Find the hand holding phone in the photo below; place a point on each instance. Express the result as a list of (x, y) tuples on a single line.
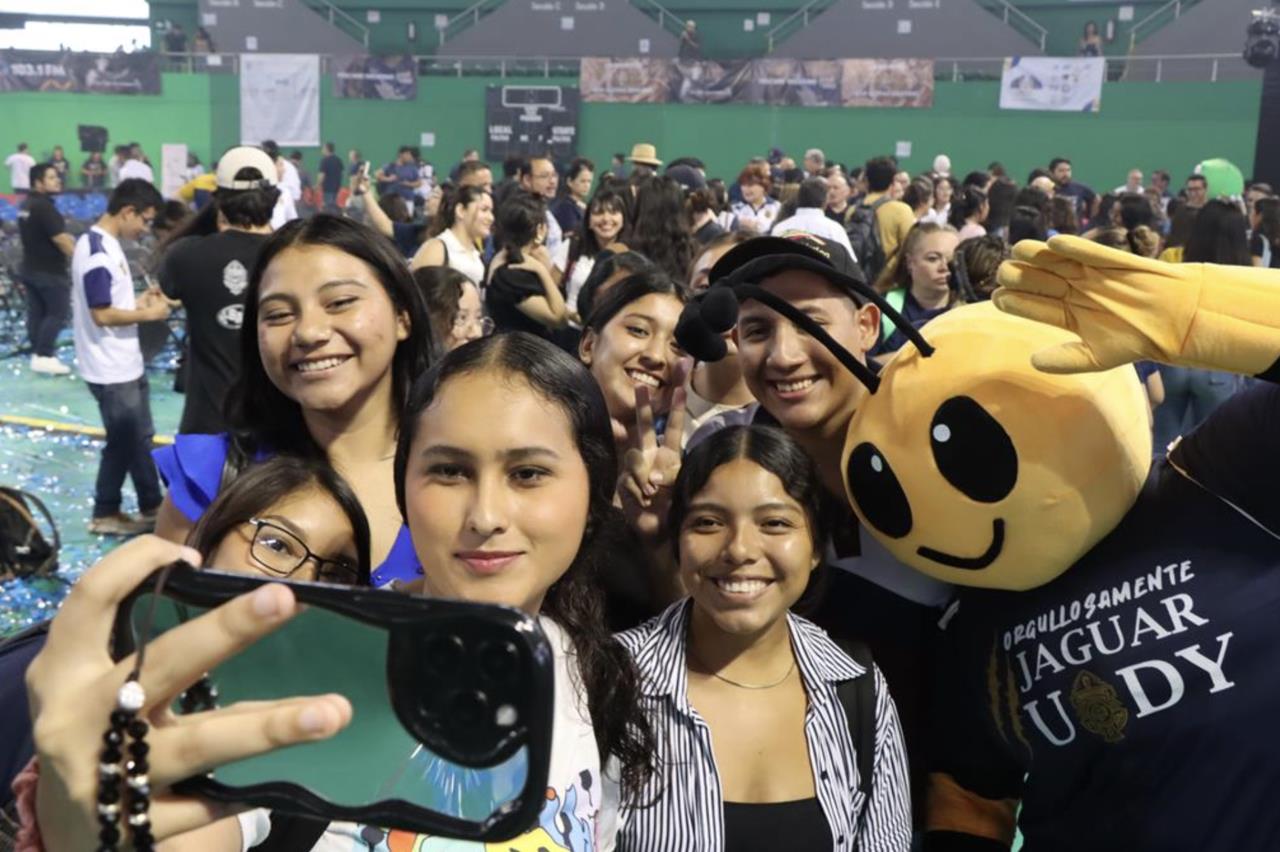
[(73, 683)]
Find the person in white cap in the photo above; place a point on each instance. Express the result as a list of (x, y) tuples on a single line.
[(942, 165), (209, 274)]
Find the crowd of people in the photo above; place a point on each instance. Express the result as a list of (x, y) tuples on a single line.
[(478, 386)]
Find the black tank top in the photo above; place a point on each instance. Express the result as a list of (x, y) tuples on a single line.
[(798, 826)]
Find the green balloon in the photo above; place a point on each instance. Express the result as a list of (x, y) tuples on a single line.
[(1223, 177)]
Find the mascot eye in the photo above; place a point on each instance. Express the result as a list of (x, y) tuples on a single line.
[(973, 451), (877, 492)]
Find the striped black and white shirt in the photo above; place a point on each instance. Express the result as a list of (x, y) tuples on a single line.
[(688, 815)]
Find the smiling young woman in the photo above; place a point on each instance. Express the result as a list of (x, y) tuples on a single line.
[(630, 342), (334, 332), (753, 738)]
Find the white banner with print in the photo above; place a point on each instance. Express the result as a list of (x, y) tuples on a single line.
[(1065, 84), (279, 98)]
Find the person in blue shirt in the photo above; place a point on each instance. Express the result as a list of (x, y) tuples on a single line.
[(402, 176), (334, 334)]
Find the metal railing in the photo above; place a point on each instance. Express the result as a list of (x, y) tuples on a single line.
[(468, 17), (1205, 67), (1018, 19), (668, 20), (340, 19), (796, 21), (1170, 11)]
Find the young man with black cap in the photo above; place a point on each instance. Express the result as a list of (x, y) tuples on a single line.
[(803, 387), (209, 275)]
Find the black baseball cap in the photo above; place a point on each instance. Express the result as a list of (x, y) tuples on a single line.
[(761, 257)]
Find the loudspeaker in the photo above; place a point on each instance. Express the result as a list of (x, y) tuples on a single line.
[(1266, 157), (92, 138)]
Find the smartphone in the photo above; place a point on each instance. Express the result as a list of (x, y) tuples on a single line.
[(364, 169), (453, 701)]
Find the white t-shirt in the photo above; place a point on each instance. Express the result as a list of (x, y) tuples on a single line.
[(137, 169), (100, 278), (290, 181), (466, 260), (284, 212), (812, 220), (20, 169), (580, 813), (577, 276)]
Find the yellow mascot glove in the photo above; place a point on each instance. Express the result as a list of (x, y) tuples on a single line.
[(1128, 308)]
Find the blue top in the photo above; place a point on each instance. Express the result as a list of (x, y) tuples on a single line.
[(192, 471)]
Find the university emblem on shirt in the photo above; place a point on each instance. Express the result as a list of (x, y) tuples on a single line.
[(235, 278), (1098, 707), (231, 317)]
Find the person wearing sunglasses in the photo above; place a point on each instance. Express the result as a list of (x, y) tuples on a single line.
[(105, 317)]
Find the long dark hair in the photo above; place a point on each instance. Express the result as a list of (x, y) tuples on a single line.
[(516, 223), (268, 482), (584, 242), (966, 203), (1218, 236), (628, 290), (773, 450), (661, 228), (441, 288), (575, 601), (451, 199), (605, 266), (262, 417)]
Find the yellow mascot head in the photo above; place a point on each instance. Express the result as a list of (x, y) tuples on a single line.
[(973, 467)]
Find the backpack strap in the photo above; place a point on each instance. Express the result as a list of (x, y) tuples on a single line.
[(897, 297), (17, 500), (858, 696)]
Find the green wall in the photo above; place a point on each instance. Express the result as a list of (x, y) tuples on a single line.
[(45, 119), (1148, 125)]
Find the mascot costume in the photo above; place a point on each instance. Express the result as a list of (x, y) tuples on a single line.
[(1108, 664)]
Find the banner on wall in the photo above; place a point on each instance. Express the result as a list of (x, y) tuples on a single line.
[(97, 73), (527, 120), (381, 78), (782, 82), (279, 98), (1064, 84)]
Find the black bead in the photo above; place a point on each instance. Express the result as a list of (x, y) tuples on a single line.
[(112, 754), (139, 804), (113, 737), (106, 820), (110, 835), (119, 718), (108, 794), (137, 767), (141, 791), (138, 729), (139, 748)]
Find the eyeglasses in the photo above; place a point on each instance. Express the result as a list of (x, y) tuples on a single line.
[(463, 321), (282, 553)]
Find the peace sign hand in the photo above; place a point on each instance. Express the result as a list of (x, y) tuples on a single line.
[(650, 468)]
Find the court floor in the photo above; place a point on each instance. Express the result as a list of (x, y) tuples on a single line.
[(49, 447)]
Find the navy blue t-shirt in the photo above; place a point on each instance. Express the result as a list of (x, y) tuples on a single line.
[(914, 313), (1138, 693)]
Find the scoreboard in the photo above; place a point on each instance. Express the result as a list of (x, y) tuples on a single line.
[(526, 120)]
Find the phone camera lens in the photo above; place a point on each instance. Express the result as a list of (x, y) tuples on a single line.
[(444, 655), (500, 661), (469, 708)]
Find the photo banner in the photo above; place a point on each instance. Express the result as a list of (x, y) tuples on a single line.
[(96, 73), (280, 98), (781, 82), (1062, 84), (379, 78)]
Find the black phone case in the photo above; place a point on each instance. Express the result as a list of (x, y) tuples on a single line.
[(471, 648)]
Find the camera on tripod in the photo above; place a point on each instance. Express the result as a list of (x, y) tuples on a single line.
[(1262, 38)]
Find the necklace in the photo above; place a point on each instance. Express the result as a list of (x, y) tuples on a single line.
[(739, 684)]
